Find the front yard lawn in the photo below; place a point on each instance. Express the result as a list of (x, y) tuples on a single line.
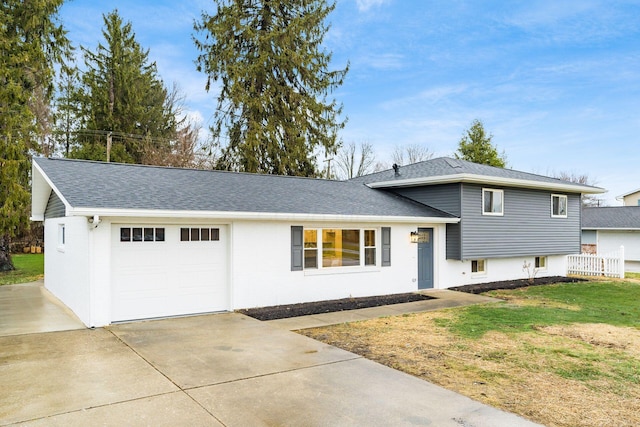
[(29, 268), (560, 355)]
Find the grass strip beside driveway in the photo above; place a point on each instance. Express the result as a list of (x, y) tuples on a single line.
[(29, 268), (560, 355)]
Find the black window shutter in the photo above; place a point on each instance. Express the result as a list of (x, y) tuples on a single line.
[(296, 248), (386, 246)]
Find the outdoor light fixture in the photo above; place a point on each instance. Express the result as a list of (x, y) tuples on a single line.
[(415, 237)]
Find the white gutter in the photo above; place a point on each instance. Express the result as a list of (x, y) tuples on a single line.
[(488, 180), (611, 229), (264, 216)]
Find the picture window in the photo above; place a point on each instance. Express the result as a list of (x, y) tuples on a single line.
[(329, 248)]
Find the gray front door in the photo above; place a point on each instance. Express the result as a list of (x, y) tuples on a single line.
[(425, 258)]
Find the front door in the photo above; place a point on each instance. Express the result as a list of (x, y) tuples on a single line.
[(425, 258)]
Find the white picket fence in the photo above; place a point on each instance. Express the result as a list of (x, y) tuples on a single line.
[(609, 265)]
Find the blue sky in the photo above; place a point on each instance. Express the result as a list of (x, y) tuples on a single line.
[(557, 83)]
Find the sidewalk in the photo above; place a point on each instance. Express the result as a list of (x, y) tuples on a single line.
[(443, 299)]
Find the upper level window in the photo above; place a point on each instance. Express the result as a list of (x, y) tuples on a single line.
[(492, 202), (558, 206)]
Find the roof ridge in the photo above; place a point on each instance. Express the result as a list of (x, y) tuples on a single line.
[(176, 168)]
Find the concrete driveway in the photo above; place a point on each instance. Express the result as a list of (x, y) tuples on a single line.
[(222, 369)]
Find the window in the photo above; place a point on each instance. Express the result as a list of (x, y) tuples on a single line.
[(311, 248), (138, 234), (369, 247), (478, 266), (558, 206), (61, 236), (333, 247), (541, 262), (492, 202), (193, 234), (125, 234)]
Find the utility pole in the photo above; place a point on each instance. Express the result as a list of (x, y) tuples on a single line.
[(328, 161), (108, 147)]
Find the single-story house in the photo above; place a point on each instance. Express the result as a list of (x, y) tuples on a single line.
[(605, 229), (126, 242)]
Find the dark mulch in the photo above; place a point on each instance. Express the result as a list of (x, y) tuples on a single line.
[(305, 309), (514, 284)]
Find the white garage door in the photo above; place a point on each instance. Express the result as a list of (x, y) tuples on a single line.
[(168, 270)]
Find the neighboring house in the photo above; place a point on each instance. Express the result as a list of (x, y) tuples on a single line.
[(631, 198), (605, 229), (125, 242)]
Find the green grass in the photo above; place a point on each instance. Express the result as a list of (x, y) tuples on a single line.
[(29, 268), (614, 303), (632, 275)]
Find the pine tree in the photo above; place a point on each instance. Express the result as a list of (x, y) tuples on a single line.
[(121, 97), (31, 41), (272, 109), (475, 146)]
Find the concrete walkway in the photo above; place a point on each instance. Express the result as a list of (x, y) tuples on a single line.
[(29, 308), (214, 370)]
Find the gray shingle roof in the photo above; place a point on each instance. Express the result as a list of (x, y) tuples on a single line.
[(617, 217), (87, 184), (445, 166)]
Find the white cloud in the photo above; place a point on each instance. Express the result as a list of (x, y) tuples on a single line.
[(384, 61), (365, 5)]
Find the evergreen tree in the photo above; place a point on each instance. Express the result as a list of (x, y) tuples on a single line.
[(475, 146), (31, 41), (121, 97), (272, 107)]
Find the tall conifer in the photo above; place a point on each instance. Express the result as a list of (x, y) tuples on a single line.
[(273, 109)]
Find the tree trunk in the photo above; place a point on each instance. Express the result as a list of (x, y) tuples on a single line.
[(5, 257)]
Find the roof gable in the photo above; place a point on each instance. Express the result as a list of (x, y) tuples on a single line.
[(112, 186)]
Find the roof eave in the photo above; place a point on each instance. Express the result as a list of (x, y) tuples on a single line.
[(488, 180), (262, 216)]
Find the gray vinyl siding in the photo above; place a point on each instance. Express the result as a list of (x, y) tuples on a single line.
[(444, 197), (55, 208), (525, 229), (454, 241)]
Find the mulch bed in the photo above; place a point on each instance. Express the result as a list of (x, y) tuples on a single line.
[(329, 306), (305, 309), (514, 284)]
